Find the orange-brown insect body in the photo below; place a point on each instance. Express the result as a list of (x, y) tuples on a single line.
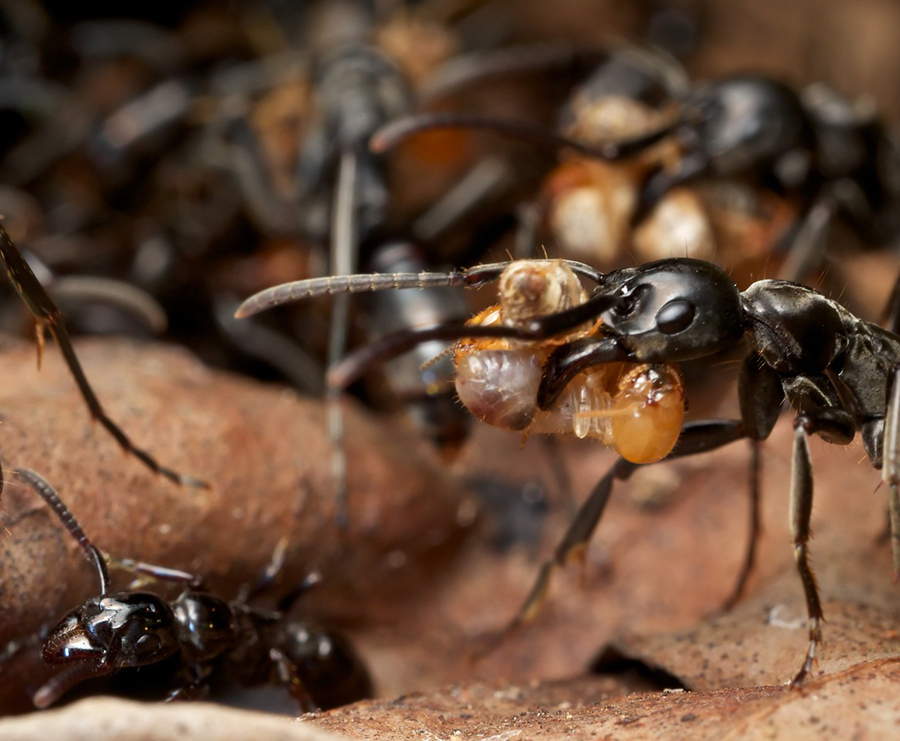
[(636, 408)]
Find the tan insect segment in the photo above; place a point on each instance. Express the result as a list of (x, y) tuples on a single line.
[(635, 408)]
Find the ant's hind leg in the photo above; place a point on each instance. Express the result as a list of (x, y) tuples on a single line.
[(838, 427), (890, 470)]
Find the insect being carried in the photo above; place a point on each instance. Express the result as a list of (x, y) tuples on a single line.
[(200, 631), (49, 317), (498, 377), (838, 373)]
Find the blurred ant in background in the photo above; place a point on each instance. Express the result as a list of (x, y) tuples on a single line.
[(768, 167)]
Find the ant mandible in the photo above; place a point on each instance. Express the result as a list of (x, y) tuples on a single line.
[(128, 629), (839, 374)]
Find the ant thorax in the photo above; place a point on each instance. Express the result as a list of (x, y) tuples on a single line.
[(636, 408)]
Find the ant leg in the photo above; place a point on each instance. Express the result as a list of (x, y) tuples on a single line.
[(161, 573), (760, 395), (529, 217), (48, 316), (288, 674), (801, 509), (890, 470), (837, 425), (892, 310), (344, 246), (486, 180), (267, 576), (696, 437), (754, 532), (560, 470), (194, 686), (806, 251), (661, 182)]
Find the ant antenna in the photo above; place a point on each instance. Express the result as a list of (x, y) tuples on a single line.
[(394, 133), (52, 498), (300, 290)]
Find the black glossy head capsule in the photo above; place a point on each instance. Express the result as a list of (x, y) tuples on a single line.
[(123, 630), (672, 310)]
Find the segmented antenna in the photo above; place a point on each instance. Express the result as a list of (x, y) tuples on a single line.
[(300, 290), (52, 498)]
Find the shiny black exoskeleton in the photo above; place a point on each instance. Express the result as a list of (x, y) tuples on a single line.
[(839, 374), (205, 633), (200, 631), (836, 156)]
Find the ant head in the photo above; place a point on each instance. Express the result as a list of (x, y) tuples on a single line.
[(123, 630), (672, 310), (744, 123)]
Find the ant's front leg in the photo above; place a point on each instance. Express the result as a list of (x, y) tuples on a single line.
[(194, 684), (806, 251), (696, 437), (157, 572)]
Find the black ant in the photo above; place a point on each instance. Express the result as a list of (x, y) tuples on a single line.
[(839, 374), (119, 630), (497, 379), (833, 156), (49, 317)]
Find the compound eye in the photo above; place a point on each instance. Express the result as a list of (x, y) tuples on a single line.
[(675, 316), (147, 646)]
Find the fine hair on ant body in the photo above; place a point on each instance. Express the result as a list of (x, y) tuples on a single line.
[(839, 374), (202, 632)]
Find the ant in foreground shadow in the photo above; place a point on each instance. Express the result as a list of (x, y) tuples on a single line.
[(838, 373), (200, 631)]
